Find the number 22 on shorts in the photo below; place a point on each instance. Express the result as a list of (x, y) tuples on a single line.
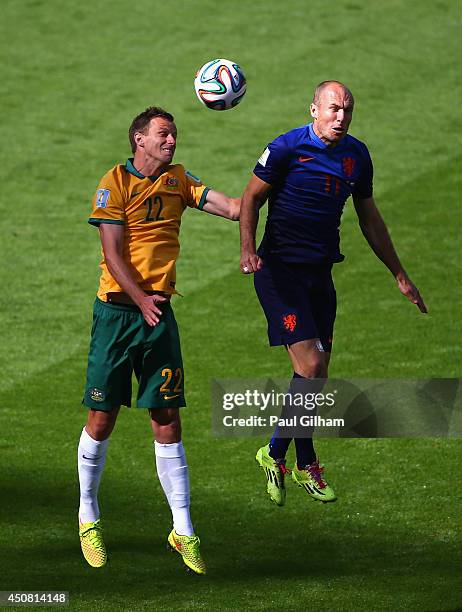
[(171, 378)]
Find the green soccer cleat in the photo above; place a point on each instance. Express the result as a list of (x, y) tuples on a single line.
[(91, 541), (312, 480), (188, 547), (275, 472)]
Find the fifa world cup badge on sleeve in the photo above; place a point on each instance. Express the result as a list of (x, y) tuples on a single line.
[(102, 197), (264, 157)]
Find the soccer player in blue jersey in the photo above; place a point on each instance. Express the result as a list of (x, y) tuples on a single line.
[(307, 175)]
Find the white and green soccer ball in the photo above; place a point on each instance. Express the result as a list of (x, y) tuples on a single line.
[(220, 84)]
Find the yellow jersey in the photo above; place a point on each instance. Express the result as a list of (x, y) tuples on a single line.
[(150, 209)]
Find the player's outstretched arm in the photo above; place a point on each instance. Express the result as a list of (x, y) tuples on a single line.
[(217, 203), (376, 233), (254, 197), (112, 240)]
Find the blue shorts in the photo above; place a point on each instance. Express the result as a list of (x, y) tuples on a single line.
[(299, 301)]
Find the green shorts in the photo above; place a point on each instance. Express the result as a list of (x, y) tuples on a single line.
[(122, 343)]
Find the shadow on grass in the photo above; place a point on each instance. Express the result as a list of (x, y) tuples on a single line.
[(245, 545)]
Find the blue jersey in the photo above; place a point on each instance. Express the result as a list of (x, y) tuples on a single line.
[(310, 185)]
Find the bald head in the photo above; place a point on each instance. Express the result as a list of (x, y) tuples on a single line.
[(332, 111), (334, 85)]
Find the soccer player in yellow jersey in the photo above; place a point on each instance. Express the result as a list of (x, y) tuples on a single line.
[(137, 208)]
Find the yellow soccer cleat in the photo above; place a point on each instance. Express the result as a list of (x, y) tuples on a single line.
[(312, 480), (188, 547), (275, 472), (91, 541)]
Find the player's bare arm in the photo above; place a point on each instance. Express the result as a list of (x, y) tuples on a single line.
[(112, 240), (255, 195), (376, 233), (217, 203)]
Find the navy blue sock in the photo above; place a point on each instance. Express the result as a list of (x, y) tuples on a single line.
[(279, 446), (306, 455), (304, 447)]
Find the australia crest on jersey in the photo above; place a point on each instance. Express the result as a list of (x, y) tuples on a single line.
[(171, 182), (348, 164)]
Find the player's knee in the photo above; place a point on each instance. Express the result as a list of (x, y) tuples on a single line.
[(166, 425), (314, 368), (165, 417), (100, 424), (99, 432)]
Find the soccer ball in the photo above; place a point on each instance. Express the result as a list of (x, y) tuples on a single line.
[(220, 84)]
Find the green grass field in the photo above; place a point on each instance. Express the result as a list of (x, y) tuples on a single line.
[(73, 75)]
